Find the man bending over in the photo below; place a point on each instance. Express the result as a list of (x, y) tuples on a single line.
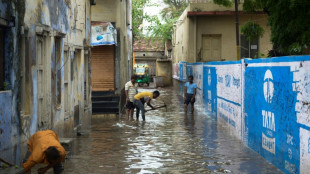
[(142, 97), (44, 147)]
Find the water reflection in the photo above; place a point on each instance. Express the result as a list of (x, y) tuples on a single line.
[(168, 142)]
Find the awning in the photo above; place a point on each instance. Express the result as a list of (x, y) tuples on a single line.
[(103, 33)]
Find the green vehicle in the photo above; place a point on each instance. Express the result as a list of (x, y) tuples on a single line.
[(142, 72)]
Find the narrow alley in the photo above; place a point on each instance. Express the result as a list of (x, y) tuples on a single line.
[(168, 142), (71, 72)]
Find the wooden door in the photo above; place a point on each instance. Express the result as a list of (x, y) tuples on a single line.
[(211, 47), (103, 68)]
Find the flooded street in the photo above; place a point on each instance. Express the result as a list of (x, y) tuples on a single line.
[(168, 142)]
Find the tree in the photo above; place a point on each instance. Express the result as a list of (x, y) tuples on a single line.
[(137, 16), (170, 14), (288, 20)]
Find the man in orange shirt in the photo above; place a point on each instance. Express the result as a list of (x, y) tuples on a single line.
[(44, 147)]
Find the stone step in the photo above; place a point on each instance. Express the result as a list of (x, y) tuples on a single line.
[(105, 110)]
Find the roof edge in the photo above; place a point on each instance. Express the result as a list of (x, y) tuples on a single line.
[(220, 13)]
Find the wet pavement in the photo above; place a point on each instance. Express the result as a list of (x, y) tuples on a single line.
[(168, 142)]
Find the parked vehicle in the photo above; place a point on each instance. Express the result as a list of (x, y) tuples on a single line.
[(142, 73)]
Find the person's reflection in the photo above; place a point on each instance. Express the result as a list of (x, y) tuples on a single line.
[(189, 123)]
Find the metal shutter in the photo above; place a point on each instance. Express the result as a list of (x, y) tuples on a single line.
[(103, 74)]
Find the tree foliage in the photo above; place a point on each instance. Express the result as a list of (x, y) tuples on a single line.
[(226, 3), (252, 30), (137, 16), (288, 20), (170, 14)]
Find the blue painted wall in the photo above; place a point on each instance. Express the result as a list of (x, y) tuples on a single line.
[(268, 100), (271, 116), (209, 90), (5, 120)]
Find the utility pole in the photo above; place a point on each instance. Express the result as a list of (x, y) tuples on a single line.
[(237, 29)]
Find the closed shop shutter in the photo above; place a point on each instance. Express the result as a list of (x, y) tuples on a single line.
[(103, 74)]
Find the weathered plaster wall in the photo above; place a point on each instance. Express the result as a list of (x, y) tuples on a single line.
[(149, 54), (11, 14), (180, 39), (163, 68), (106, 11), (264, 102), (225, 26), (68, 20), (188, 33), (46, 29)]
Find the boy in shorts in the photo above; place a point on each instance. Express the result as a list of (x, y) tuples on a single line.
[(189, 93)]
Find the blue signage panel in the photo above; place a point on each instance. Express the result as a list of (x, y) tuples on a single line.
[(209, 89), (270, 119), (189, 70)]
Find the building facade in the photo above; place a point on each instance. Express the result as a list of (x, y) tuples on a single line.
[(147, 51), (206, 32), (45, 71), (112, 58)]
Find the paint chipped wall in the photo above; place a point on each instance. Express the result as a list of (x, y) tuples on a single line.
[(11, 15), (49, 54)]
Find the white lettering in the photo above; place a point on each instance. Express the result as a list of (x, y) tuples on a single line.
[(290, 153), (289, 167), (289, 139), (268, 143), (268, 120)]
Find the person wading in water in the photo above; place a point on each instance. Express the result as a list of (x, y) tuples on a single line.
[(189, 93)]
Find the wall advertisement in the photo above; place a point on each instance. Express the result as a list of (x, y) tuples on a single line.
[(265, 102), (275, 97)]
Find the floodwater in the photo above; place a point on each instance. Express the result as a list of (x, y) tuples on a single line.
[(168, 142)]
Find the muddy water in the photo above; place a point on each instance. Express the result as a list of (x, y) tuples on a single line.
[(168, 142)]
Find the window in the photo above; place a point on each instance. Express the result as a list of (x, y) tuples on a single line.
[(66, 82), (249, 49), (25, 79), (58, 70), (2, 84), (86, 78), (211, 47), (41, 81)]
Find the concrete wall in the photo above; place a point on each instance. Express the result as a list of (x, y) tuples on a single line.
[(180, 40), (210, 6), (11, 19), (225, 25), (149, 54), (106, 11), (188, 32), (263, 102), (163, 68), (51, 52), (148, 57)]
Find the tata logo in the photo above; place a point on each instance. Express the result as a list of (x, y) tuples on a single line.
[(268, 86), (268, 117)]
